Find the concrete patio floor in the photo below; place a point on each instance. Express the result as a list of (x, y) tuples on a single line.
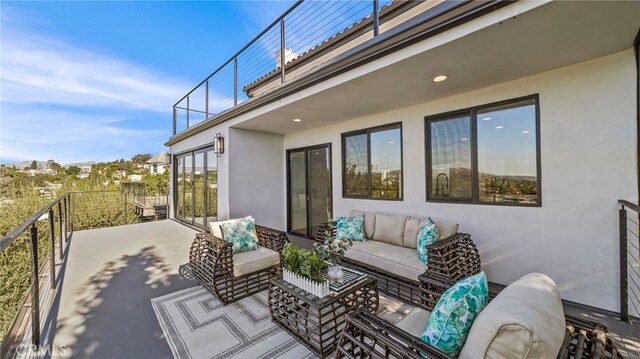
[(103, 308)]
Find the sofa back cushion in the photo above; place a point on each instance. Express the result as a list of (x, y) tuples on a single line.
[(411, 229), (525, 320), (369, 221), (446, 229), (389, 229)]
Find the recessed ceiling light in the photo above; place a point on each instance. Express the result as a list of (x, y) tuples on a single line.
[(391, 142), (297, 120), (440, 78), (499, 127), (527, 131), (463, 139), (487, 119)]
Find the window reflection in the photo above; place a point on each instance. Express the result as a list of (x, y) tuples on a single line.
[(451, 158)]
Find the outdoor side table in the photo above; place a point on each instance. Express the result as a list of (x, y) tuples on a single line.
[(317, 322)]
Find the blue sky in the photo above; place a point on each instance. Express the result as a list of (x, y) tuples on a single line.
[(96, 81)]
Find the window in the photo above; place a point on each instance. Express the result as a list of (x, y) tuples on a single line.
[(195, 186), (487, 154), (372, 163)]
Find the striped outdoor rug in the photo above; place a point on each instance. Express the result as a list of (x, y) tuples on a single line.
[(196, 325)]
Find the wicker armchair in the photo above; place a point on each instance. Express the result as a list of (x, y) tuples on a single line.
[(368, 336), (455, 257), (212, 265)]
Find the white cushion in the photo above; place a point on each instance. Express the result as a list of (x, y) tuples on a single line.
[(253, 261), (369, 221), (525, 320), (415, 322), (389, 229), (215, 226), (411, 229), (394, 259), (446, 229)]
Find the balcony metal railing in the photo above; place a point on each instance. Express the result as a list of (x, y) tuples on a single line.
[(629, 215), (304, 30), (48, 232)]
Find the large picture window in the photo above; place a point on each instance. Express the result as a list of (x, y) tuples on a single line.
[(488, 154), (372, 163)]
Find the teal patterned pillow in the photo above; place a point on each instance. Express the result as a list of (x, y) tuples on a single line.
[(351, 228), (427, 235), (241, 234), (453, 315)]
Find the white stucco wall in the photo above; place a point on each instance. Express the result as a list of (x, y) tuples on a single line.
[(588, 154), (257, 180)]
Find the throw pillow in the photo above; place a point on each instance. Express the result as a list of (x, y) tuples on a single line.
[(427, 235), (241, 234), (453, 315), (351, 228)]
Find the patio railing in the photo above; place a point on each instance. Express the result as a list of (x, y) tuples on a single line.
[(42, 241), (308, 34), (629, 261)]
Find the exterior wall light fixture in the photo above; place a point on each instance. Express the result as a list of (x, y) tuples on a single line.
[(218, 145)]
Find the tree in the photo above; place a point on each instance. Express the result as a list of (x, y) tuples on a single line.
[(141, 158), (54, 166), (34, 165), (72, 171)]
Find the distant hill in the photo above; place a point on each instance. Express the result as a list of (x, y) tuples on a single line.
[(45, 164)]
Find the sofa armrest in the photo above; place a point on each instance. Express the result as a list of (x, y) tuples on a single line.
[(209, 254), (455, 256), (271, 238), (323, 229), (432, 286), (368, 336), (587, 339)]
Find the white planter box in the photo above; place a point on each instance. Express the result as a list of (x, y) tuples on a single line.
[(319, 290)]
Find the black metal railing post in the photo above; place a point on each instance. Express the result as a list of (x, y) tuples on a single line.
[(60, 226), (66, 220), (235, 81), (206, 101), (71, 211), (376, 19), (188, 111), (174, 121), (52, 250), (282, 50), (35, 290), (624, 280)]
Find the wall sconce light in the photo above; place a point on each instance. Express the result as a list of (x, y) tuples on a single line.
[(218, 145)]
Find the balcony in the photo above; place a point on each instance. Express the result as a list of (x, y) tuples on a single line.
[(306, 37)]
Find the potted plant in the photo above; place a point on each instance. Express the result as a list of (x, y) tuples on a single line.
[(333, 250), (305, 269)]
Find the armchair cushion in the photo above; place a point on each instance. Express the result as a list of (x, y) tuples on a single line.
[(389, 229), (215, 229), (525, 320), (414, 322), (369, 221), (253, 261), (350, 228), (241, 234), (396, 260), (455, 312)]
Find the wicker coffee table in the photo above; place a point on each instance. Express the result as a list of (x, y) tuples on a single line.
[(317, 322)]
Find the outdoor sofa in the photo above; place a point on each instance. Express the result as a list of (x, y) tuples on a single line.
[(525, 320), (389, 253), (229, 276)]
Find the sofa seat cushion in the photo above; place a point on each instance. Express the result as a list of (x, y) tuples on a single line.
[(391, 258), (525, 320), (253, 261), (369, 221), (389, 229), (415, 322)]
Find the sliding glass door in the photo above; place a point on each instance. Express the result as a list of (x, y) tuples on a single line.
[(309, 189), (196, 187)]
